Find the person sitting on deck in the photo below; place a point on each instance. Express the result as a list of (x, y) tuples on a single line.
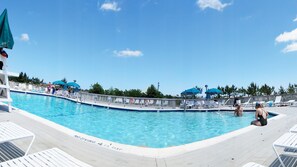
[(260, 115)]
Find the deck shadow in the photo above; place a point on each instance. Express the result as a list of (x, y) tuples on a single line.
[(9, 151), (289, 160)]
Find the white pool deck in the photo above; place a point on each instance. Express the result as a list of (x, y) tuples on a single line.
[(234, 149)]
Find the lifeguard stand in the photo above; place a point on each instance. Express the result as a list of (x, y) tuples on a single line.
[(4, 84)]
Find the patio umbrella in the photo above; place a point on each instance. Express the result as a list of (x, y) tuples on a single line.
[(59, 83), (73, 84), (6, 39), (191, 92), (213, 91)]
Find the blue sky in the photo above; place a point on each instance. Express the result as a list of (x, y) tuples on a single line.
[(129, 44)]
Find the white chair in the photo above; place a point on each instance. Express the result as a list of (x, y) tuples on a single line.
[(252, 164), (10, 132), (165, 103), (141, 102), (277, 101), (136, 102), (50, 157), (247, 103), (293, 129), (286, 141), (289, 102)]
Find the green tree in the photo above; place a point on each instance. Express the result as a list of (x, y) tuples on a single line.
[(252, 89), (118, 92), (266, 90), (281, 91), (242, 91), (152, 92), (230, 90), (291, 89), (96, 88), (134, 93)]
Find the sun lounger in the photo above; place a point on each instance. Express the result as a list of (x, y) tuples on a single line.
[(10, 132), (277, 101), (293, 129), (289, 102), (286, 141), (252, 164), (51, 157)]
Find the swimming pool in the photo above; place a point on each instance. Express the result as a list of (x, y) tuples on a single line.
[(146, 129)]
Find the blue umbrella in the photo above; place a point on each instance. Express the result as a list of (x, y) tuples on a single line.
[(73, 84), (59, 83), (213, 91), (191, 92)]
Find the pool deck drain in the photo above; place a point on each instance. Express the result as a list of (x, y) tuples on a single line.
[(252, 145)]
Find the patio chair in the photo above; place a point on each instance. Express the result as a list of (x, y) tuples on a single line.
[(277, 101), (10, 131), (289, 102), (247, 103), (293, 129), (288, 141), (137, 102), (165, 103), (252, 164), (50, 157)]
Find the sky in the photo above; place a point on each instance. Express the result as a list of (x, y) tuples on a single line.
[(131, 44)]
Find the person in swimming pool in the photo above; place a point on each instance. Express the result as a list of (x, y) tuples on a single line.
[(260, 115), (238, 111)]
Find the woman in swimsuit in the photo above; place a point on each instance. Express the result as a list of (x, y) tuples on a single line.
[(238, 111), (260, 115)]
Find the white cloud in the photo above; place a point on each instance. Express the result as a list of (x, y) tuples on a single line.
[(25, 37), (287, 36), (128, 53), (295, 20), (213, 4), (291, 48), (110, 6)]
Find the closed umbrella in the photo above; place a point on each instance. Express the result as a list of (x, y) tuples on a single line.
[(6, 38)]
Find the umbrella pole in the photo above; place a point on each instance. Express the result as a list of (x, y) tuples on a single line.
[(185, 104)]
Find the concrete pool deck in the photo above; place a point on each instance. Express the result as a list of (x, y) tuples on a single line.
[(254, 145)]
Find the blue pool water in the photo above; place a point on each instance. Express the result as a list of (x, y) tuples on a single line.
[(148, 129)]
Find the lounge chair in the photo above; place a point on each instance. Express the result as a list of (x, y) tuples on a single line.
[(293, 129), (10, 132), (158, 103), (287, 141), (141, 102), (136, 102), (247, 103), (277, 101), (165, 103), (252, 164), (50, 157), (289, 102)]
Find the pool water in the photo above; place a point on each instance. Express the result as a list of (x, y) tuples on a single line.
[(147, 129)]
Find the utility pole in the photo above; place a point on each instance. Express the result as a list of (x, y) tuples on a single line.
[(158, 85)]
